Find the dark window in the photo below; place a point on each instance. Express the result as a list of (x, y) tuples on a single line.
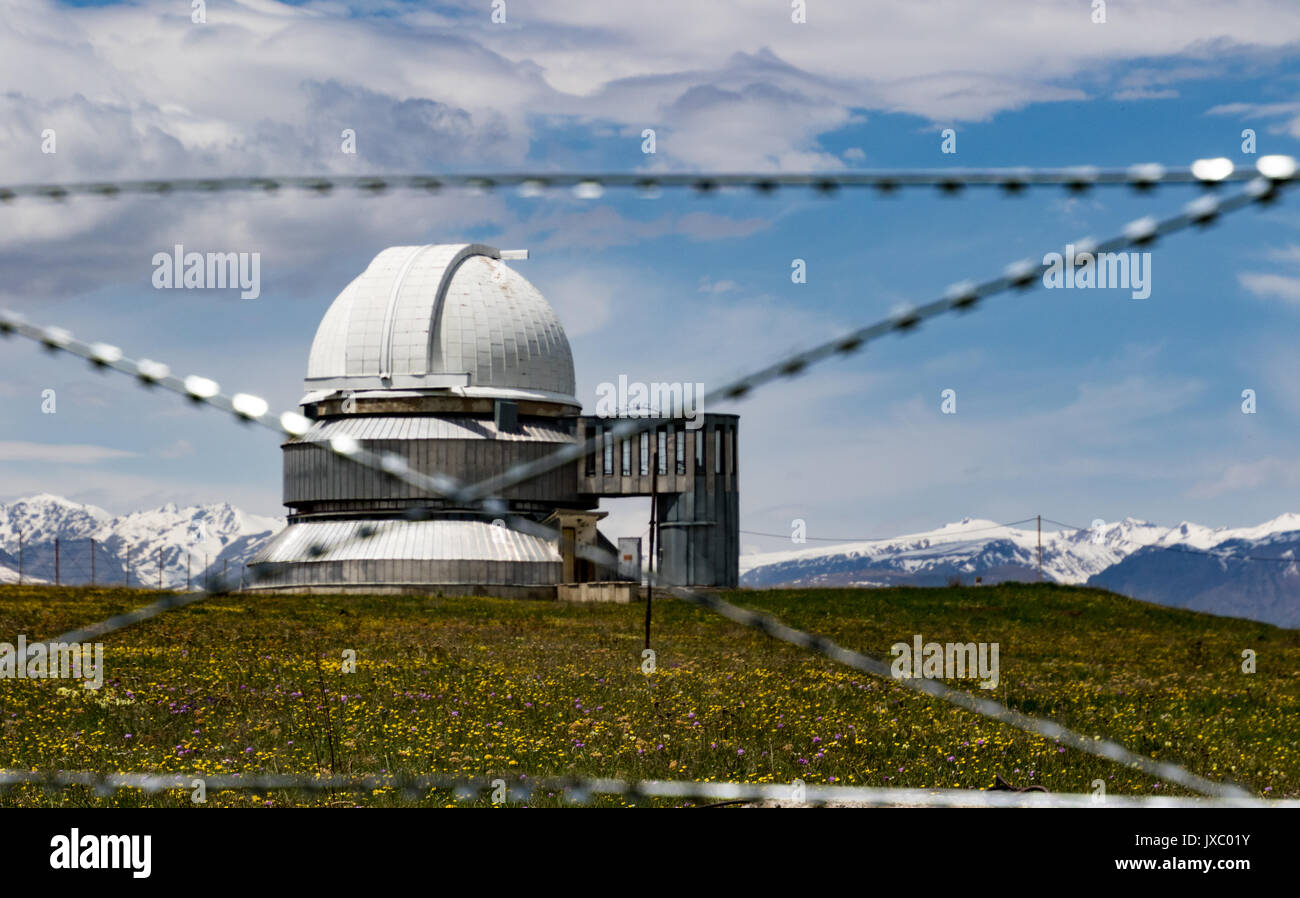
[(627, 458), (680, 466), (590, 469), (717, 450), (699, 451), (735, 453), (645, 454), (607, 446), (661, 462)]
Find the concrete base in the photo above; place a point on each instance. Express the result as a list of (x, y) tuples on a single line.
[(619, 592)]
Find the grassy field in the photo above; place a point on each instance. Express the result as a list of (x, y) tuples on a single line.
[(488, 687)]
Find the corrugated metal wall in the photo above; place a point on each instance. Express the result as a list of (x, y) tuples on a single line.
[(469, 449)]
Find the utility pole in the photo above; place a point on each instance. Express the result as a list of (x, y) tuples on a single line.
[(56, 561), (92, 561), (1040, 548), (654, 514)]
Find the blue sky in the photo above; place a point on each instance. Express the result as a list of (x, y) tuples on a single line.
[(1079, 404)]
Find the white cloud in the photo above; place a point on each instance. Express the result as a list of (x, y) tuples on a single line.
[(1271, 286), (709, 285), (1274, 473), (59, 453)]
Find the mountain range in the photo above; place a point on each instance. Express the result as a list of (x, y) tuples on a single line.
[(1248, 572), (182, 544)]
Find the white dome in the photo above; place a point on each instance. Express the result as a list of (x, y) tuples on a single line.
[(447, 317)]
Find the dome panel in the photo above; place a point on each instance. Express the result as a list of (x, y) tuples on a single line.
[(443, 317)]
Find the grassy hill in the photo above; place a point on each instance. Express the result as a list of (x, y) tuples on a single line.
[(488, 687)]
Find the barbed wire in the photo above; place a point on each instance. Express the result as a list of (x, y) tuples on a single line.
[(583, 790), (591, 185), (962, 297)]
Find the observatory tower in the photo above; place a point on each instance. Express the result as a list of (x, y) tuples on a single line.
[(447, 357)]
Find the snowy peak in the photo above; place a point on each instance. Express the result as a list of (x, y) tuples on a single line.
[(45, 516), (176, 543)]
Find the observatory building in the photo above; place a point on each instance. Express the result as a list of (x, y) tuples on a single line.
[(445, 356)]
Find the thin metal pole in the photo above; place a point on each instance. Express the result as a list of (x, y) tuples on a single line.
[(1040, 548), (654, 513)]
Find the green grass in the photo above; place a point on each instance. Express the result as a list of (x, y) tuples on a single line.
[(485, 687)]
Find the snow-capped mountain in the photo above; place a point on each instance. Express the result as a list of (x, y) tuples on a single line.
[(1254, 576), (194, 541), (1136, 558), (967, 549)]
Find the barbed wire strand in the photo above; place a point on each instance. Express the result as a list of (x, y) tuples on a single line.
[(582, 790), (1022, 274), (591, 185)]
